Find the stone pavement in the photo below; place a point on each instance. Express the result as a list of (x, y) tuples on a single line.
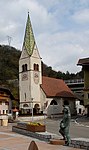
[(13, 141), (83, 120)]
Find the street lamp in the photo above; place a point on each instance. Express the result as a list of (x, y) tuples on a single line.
[(32, 108)]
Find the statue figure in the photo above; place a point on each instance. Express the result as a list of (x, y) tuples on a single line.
[(65, 123)]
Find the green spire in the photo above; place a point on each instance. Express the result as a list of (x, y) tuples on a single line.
[(29, 40)]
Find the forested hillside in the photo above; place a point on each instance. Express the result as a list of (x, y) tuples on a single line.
[(48, 71), (9, 59), (9, 69), (9, 66)]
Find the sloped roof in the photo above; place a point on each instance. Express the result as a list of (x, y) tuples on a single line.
[(29, 40), (8, 92), (15, 110), (55, 88), (84, 61)]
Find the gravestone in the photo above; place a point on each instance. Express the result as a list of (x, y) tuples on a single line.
[(33, 146)]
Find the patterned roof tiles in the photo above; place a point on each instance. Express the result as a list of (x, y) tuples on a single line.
[(29, 40)]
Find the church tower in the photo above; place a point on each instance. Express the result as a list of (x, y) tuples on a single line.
[(30, 76)]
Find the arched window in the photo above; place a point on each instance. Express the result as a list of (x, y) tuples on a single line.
[(25, 105), (24, 68), (53, 102), (36, 67), (36, 108)]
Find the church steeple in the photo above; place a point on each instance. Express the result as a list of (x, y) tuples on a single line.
[(30, 74), (29, 40)]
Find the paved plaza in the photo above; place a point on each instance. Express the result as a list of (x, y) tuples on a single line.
[(13, 141)]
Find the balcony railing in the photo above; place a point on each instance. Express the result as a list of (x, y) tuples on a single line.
[(4, 95), (74, 81)]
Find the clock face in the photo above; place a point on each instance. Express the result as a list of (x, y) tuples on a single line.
[(36, 77), (24, 76)]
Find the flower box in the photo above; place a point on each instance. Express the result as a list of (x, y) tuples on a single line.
[(36, 128)]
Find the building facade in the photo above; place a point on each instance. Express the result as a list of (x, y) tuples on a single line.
[(5, 101), (38, 92), (29, 71), (85, 66)]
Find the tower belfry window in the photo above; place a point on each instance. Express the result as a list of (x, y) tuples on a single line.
[(24, 68), (36, 67)]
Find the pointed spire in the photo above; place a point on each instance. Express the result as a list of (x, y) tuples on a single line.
[(29, 40)]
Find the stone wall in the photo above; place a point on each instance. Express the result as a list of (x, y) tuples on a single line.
[(82, 143)]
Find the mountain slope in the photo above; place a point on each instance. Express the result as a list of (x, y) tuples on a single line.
[(9, 63)]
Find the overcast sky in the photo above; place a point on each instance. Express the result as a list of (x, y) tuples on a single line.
[(61, 29)]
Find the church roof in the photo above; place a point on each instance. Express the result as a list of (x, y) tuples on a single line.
[(56, 88), (29, 40)]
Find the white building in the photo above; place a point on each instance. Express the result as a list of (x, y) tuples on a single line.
[(5, 101), (41, 93), (5, 104), (81, 110)]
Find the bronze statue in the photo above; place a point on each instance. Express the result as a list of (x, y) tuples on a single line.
[(65, 123)]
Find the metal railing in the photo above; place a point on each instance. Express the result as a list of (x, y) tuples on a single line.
[(74, 81)]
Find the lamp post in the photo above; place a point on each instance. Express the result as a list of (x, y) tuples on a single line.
[(32, 108), (45, 113), (53, 110)]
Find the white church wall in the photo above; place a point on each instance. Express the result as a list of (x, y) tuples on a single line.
[(55, 109), (24, 61), (25, 93), (35, 89), (36, 77), (29, 86), (72, 107), (35, 60), (43, 99), (51, 109), (36, 52), (60, 104), (24, 53), (24, 82)]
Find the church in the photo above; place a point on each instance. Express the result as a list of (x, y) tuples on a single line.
[(37, 92)]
